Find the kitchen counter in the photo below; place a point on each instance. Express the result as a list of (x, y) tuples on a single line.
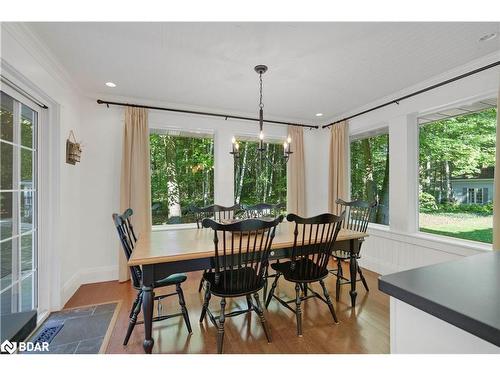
[(464, 293)]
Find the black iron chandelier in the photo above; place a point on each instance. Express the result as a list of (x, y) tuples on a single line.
[(235, 150)]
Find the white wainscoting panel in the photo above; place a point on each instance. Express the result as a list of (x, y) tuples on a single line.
[(386, 251)]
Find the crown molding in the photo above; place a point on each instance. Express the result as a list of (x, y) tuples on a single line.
[(25, 36)]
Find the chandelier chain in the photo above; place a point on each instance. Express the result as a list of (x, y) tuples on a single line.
[(261, 105)]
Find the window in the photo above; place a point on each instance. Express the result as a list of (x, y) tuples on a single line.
[(18, 206), (370, 174), (476, 195), (182, 175), (255, 178), (456, 170)]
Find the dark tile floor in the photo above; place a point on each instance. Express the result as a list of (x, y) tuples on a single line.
[(83, 331)]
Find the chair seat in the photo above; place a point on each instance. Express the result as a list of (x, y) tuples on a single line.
[(233, 283), (176, 278), (305, 271)]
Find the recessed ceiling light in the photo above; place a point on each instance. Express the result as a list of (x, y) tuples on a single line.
[(110, 84), (486, 37), (319, 114)]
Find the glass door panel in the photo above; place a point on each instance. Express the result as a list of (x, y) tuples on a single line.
[(18, 206)]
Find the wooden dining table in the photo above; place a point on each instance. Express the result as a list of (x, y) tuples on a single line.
[(163, 253)]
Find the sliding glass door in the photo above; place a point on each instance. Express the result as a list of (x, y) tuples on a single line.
[(18, 206)]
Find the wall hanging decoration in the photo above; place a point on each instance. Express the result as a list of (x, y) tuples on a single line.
[(73, 149)]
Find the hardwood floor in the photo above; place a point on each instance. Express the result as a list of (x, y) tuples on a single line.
[(364, 329)]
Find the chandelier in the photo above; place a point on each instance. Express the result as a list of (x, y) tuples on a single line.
[(235, 150)]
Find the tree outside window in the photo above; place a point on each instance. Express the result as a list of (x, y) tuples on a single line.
[(182, 175), (370, 174), (255, 179)]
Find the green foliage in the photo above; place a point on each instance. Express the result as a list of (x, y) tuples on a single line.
[(478, 209), (181, 172), (255, 179), (427, 202), (370, 173), (453, 147)]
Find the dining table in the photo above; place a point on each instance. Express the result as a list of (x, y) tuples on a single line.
[(161, 253)]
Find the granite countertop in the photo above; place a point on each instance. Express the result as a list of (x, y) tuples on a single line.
[(464, 292)]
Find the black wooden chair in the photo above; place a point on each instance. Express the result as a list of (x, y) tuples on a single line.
[(241, 258), (263, 210), (358, 215), (128, 240), (309, 261), (215, 212)]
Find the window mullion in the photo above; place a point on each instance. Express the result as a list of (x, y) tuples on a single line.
[(16, 172)]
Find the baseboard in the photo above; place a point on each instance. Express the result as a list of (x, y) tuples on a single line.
[(87, 276)]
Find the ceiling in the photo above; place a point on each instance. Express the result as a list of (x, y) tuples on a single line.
[(330, 68)]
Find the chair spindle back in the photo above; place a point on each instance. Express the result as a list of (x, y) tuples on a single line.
[(263, 210), (216, 212), (314, 240), (128, 240), (358, 214), (242, 252)]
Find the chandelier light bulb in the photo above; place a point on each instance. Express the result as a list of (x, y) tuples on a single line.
[(233, 140), (261, 135), (289, 139)]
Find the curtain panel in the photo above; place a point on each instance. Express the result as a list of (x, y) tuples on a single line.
[(135, 177), (338, 172), (296, 181)]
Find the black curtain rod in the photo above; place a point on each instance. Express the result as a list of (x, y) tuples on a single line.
[(99, 101), (22, 91), (396, 101)]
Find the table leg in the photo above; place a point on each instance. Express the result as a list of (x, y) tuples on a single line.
[(353, 273), (147, 309)]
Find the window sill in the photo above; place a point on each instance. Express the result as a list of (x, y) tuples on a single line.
[(157, 228), (381, 227)]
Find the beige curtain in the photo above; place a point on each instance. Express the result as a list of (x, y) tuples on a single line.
[(337, 180), (496, 187), (296, 181), (135, 179)]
